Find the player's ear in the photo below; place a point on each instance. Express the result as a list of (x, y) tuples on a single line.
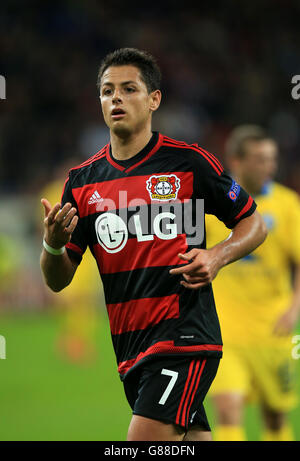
[(155, 99)]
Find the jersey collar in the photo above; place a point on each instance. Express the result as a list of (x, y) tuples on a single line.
[(128, 165)]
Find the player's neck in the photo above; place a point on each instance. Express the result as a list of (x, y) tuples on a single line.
[(123, 148)]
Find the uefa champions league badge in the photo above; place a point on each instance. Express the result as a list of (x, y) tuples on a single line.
[(164, 187), (234, 191)]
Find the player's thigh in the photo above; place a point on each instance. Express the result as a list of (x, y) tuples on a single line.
[(197, 434), (274, 378), (229, 408), (147, 429)]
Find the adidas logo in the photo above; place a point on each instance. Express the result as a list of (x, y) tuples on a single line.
[(95, 198)]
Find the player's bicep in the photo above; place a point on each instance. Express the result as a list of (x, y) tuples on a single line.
[(227, 200)]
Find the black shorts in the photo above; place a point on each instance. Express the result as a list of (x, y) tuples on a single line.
[(172, 389)]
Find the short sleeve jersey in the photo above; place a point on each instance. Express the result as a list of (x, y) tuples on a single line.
[(136, 216)]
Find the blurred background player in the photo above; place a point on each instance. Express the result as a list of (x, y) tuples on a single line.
[(78, 304), (257, 304)]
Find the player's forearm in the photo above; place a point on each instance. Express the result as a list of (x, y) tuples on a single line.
[(58, 271), (245, 237)]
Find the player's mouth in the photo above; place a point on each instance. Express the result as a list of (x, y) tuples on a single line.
[(118, 113)]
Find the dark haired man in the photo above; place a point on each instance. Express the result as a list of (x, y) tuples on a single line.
[(134, 203)]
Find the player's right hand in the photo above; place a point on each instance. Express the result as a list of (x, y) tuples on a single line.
[(201, 268), (59, 224)]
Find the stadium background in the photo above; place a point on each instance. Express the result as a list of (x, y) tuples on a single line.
[(223, 64)]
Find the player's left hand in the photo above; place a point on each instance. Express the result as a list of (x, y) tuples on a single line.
[(201, 269), (287, 322)]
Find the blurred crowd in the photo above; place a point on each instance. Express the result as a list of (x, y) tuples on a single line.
[(223, 64)]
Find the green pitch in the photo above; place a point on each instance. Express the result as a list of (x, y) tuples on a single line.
[(44, 397)]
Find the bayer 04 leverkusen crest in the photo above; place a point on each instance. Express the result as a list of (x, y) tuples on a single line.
[(163, 187)]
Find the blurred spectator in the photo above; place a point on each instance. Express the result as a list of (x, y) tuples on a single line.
[(221, 65)]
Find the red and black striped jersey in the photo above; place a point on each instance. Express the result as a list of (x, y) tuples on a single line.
[(136, 215)]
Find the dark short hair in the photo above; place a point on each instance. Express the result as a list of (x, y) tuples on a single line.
[(145, 62), (240, 136)]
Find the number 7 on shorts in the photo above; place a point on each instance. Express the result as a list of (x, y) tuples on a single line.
[(174, 376)]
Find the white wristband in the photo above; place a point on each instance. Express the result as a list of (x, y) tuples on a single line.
[(53, 251)]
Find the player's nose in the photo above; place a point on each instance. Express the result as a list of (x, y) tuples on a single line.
[(116, 97)]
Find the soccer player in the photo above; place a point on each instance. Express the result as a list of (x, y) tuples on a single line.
[(139, 206), (257, 305)]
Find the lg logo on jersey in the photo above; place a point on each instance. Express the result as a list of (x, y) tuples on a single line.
[(112, 233), (165, 221)]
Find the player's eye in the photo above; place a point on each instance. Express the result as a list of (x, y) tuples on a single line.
[(106, 91), (130, 89)]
